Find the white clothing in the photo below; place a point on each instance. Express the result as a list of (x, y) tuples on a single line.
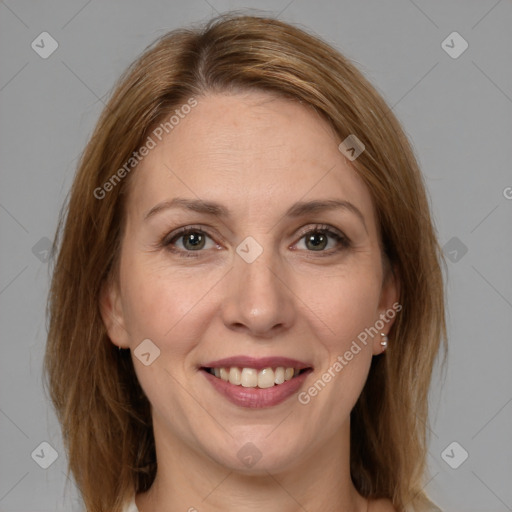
[(131, 507)]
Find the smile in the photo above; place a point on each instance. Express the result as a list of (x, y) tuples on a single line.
[(256, 382), (253, 378)]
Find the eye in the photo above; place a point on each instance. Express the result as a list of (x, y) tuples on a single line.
[(323, 239), (188, 240)]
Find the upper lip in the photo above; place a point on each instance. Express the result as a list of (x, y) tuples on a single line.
[(257, 363)]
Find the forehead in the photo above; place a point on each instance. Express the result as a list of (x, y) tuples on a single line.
[(254, 151)]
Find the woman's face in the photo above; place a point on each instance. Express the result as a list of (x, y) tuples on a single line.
[(251, 176)]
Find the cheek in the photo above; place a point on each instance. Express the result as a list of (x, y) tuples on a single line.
[(169, 309), (167, 306), (343, 304)]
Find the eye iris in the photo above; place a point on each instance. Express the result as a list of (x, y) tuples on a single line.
[(193, 241), (318, 241)]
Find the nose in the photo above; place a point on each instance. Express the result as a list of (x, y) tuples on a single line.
[(258, 298)]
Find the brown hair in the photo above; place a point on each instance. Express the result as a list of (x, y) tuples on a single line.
[(105, 416)]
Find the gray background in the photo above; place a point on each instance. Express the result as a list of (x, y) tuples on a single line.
[(457, 112)]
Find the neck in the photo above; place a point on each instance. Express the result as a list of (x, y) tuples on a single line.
[(188, 480)]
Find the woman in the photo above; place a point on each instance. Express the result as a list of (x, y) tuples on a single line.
[(247, 301)]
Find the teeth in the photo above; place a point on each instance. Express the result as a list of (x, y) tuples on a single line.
[(266, 378), (279, 375), (252, 378), (235, 376), (249, 378)]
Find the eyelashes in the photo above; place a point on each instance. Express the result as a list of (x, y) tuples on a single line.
[(194, 240), (197, 236), (322, 233)]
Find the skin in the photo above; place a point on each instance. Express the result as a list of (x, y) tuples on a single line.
[(257, 155)]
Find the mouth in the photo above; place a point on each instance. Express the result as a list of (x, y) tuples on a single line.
[(254, 378), (256, 383), (247, 393)]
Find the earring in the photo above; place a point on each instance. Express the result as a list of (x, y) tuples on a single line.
[(384, 340)]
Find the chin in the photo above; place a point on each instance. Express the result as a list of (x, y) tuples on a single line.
[(258, 456)]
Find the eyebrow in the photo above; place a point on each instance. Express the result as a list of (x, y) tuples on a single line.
[(195, 205), (299, 209)]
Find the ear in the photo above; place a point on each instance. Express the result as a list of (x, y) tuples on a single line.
[(389, 307), (112, 313)]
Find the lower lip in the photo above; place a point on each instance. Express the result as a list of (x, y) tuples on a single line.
[(256, 398)]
